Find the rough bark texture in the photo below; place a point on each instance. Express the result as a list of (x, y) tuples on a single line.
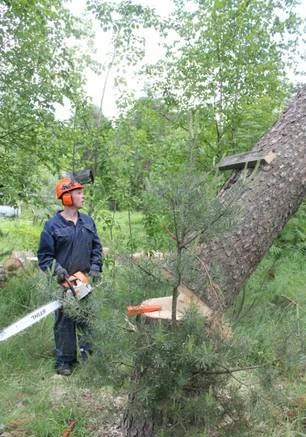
[(135, 427), (273, 194)]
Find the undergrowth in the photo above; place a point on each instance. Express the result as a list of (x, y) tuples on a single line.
[(251, 384)]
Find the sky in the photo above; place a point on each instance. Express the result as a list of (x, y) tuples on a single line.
[(95, 83)]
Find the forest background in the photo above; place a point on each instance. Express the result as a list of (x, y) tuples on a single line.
[(225, 77)]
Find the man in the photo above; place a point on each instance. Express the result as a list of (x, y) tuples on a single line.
[(69, 243)]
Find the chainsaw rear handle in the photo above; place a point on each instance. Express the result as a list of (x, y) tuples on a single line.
[(79, 285), (73, 278), (71, 287)]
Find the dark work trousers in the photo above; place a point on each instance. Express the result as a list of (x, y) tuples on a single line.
[(69, 334)]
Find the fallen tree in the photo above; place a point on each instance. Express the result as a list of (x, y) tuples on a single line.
[(274, 193), (276, 186)]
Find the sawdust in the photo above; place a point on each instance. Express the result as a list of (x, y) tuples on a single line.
[(107, 413)]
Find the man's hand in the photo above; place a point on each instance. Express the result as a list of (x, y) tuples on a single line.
[(95, 275), (61, 274)]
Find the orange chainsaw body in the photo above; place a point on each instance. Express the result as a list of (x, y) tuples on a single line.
[(80, 283)]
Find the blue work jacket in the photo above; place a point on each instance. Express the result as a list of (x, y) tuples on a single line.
[(75, 247)]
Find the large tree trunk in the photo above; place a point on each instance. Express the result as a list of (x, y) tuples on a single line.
[(273, 194)]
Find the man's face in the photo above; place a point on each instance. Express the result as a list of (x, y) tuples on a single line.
[(77, 198)]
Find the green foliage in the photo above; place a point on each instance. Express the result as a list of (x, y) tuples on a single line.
[(121, 232), (293, 238), (268, 331), (19, 233), (38, 70), (189, 213), (181, 212), (225, 62), (171, 368), (220, 87), (187, 378), (189, 206), (86, 139), (25, 291), (125, 22)]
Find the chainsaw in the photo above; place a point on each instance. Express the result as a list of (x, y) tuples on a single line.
[(77, 285)]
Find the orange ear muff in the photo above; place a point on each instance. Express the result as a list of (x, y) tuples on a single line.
[(67, 199)]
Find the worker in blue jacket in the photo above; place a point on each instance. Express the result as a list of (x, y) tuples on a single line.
[(69, 243)]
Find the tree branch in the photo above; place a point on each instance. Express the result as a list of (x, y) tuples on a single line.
[(16, 130)]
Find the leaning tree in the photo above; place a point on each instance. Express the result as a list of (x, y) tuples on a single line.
[(275, 171), (276, 188), (267, 185)]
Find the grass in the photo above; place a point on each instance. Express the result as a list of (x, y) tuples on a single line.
[(269, 316), (118, 231), (17, 234), (34, 400), (39, 403)]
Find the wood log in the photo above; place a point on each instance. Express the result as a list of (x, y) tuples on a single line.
[(19, 260)]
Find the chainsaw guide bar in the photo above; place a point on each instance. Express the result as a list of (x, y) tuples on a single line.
[(80, 289), (30, 319)]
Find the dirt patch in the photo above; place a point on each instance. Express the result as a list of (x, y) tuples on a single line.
[(102, 408)]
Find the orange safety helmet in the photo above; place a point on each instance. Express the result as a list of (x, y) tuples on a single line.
[(63, 188)]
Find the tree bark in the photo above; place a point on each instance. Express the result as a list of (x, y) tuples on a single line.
[(135, 426), (273, 195)]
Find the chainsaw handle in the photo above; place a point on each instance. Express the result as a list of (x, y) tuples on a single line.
[(74, 279), (71, 287)]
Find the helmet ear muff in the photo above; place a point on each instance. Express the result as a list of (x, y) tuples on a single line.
[(67, 199)]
